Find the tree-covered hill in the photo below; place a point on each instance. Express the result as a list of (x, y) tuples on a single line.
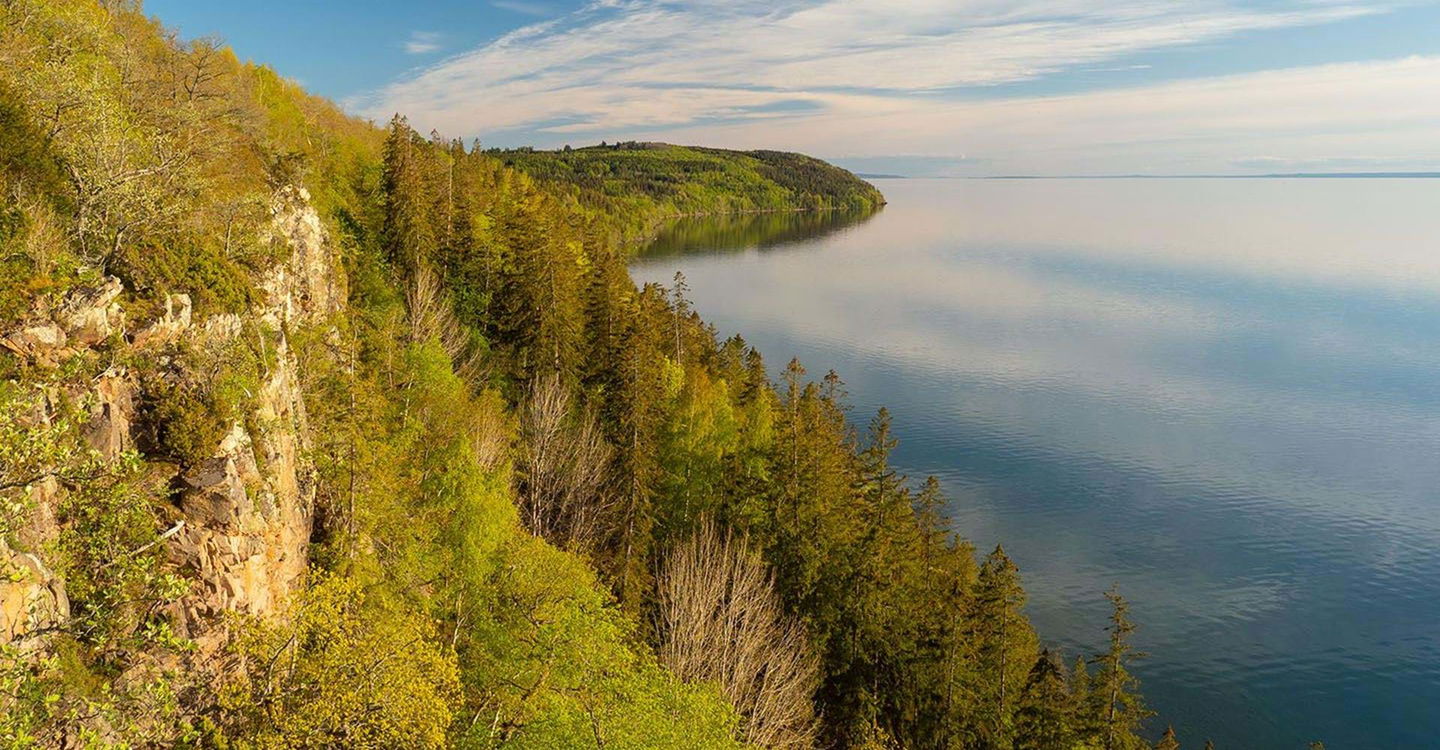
[(634, 186), (320, 434)]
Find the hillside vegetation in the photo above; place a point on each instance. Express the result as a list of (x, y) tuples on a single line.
[(320, 434), (633, 187)]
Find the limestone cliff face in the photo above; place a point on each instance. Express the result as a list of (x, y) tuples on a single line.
[(248, 511), (243, 524)]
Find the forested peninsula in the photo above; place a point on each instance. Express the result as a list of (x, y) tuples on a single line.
[(633, 187), (317, 433)]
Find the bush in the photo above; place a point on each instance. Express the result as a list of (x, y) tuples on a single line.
[(343, 669)]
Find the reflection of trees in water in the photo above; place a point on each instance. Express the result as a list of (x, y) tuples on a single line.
[(764, 231)]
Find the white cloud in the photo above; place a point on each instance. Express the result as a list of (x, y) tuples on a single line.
[(1371, 115), (522, 6), (422, 42), (867, 77)]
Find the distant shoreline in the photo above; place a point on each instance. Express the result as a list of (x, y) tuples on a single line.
[(1272, 176)]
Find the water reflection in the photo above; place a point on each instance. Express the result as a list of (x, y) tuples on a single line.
[(1220, 395), (750, 231)]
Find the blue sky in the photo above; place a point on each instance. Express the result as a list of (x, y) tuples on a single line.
[(913, 86)]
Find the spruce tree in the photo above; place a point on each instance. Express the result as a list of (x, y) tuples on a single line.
[(1044, 716), (1118, 707), (1002, 646)]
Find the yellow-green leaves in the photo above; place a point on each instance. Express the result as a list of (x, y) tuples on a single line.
[(344, 668)]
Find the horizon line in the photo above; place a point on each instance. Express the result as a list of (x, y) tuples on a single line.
[(1141, 176)]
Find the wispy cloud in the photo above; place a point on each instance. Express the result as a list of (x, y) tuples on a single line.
[(523, 7), (1378, 115), (619, 67), (422, 42)]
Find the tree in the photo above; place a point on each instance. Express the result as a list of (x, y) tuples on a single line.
[(1168, 740), (721, 621), (563, 469), (1001, 647), (1044, 717), (342, 670), (409, 229), (1118, 707)]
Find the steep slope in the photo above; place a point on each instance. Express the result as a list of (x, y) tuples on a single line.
[(228, 441), (316, 434)]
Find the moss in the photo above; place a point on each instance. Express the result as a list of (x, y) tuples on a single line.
[(215, 282), (74, 669), (189, 405)]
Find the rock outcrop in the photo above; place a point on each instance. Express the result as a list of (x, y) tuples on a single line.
[(242, 526), (91, 314), (249, 510), (32, 599)]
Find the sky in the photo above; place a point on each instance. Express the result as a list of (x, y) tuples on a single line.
[(913, 87)]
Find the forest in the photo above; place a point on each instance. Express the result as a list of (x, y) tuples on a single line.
[(318, 433), (633, 188)]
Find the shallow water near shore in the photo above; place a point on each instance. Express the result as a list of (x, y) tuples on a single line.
[(1222, 396)]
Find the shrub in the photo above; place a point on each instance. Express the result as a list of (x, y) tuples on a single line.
[(343, 669)]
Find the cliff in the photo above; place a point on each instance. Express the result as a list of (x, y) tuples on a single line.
[(316, 434), (240, 519)]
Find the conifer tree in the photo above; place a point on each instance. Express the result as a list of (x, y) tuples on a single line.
[(1044, 717), (1118, 707), (408, 231), (1001, 645), (1168, 740)]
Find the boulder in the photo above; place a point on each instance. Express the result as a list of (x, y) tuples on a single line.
[(175, 321), (112, 413), (90, 314), (32, 600), (40, 342)]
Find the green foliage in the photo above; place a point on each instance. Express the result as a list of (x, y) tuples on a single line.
[(433, 618), (1045, 717), (634, 186), (344, 669), (105, 544), (215, 281), (204, 387), (106, 548), (33, 256), (58, 701), (1114, 698), (552, 665), (111, 561)]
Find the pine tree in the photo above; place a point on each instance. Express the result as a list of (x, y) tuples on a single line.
[(681, 303), (1168, 740), (1118, 707), (1044, 717), (1082, 698), (1002, 647), (408, 232)]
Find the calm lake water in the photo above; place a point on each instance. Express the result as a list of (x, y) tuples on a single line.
[(1221, 395)]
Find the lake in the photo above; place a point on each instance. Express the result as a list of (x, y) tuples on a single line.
[(1221, 395)]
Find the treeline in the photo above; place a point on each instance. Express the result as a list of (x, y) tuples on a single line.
[(642, 431), (551, 509), (742, 232), (632, 187)]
